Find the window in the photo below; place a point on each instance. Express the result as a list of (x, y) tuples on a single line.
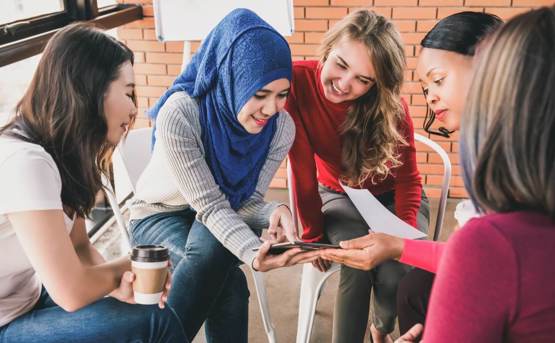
[(26, 25), (14, 10)]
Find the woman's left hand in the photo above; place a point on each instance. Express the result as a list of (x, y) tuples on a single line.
[(124, 292), (411, 335), (281, 226)]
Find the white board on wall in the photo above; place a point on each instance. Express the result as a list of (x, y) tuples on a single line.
[(186, 20)]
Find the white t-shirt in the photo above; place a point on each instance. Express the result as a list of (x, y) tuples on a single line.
[(29, 180)]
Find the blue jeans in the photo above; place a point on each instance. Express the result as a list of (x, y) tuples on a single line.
[(207, 284), (107, 320)]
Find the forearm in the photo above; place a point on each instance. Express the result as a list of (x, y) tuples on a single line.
[(89, 256)]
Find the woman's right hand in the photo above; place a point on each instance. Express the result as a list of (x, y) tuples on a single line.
[(264, 262), (366, 252)]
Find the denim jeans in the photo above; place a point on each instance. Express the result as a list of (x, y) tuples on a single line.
[(207, 284), (107, 320)]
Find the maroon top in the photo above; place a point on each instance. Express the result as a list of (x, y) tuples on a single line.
[(316, 153), (496, 282)]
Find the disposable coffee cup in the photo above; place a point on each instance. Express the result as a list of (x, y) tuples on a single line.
[(149, 263)]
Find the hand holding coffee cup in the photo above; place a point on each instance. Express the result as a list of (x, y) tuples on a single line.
[(150, 264)]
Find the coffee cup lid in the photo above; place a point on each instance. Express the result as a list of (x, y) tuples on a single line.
[(149, 253)]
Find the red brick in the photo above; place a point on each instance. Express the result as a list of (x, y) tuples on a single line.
[(140, 80), (422, 147), (453, 157), (411, 62), (506, 13), (160, 80), (304, 49), (142, 23), (409, 50), (532, 3), (405, 25), (297, 37), (326, 12), (395, 2), (313, 37), (414, 13), (148, 11), (425, 25), (383, 11), (455, 147), (443, 12), (418, 100), (150, 69), (173, 58), (142, 102), (141, 122), (440, 3), (298, 12), (432, 192), (278, 183), (417, 111), (412, 37), (139, 57), (487, 2), (174, 69), (130, 33), (312, 2), (412, 88), (458, 192), (311, 25), (407, 75), (436, 169), (140, 45), (351, 2), (153, 91), (421, 157), (149, 34), (174, 47)]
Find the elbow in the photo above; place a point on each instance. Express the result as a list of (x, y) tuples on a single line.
[(69, 302)]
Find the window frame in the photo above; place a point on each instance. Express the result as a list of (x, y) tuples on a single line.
[(27, 37)]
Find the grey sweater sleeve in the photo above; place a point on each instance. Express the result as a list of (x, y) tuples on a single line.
[(179, 134)]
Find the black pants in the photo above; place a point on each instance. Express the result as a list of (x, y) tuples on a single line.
[(413, 297)]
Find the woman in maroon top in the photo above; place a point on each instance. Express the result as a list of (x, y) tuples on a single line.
[(352, 127)]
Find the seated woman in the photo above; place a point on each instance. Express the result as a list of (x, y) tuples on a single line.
[(491, 282), (54, 285), (353, 127), (221, 136)]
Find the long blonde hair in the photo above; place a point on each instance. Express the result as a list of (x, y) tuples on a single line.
[(370, 132)]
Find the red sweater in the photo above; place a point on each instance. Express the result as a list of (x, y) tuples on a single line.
[(316, 153), (495, 282)]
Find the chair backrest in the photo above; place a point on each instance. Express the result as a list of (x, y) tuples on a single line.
[(129, 160), (444, 185)]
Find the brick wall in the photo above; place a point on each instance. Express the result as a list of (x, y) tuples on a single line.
[(157, 64)]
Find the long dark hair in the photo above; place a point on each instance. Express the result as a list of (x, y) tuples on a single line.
[(508, 127), (63, 109), (461, 33)]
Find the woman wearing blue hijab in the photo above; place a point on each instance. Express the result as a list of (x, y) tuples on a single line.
[(221, 136)]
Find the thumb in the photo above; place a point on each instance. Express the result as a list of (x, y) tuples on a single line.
[(357, 243)]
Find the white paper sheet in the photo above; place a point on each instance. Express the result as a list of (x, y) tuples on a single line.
[(378, 217)]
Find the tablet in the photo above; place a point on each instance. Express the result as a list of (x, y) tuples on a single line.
[(280, 248)]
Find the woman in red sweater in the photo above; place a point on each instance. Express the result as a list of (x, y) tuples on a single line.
[(353, 127)]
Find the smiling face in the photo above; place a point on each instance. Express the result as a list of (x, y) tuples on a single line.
[(445, 77), (264, 104), (119, 106), (347, 73)]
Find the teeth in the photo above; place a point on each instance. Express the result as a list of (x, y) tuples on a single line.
[(335, 88)]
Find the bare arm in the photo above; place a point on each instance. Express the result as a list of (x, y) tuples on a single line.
[(87, 253), (69, 277)]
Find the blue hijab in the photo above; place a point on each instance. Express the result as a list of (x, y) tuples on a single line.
[(239, 56)]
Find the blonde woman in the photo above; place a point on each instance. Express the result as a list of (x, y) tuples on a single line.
[(353, 127)]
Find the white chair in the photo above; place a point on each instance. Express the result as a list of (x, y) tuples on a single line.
[(129, 160), (313, 280)]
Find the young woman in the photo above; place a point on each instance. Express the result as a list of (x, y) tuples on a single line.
[(221, 136), (491, 285), (53, 283), (352, 127), (445, 66)]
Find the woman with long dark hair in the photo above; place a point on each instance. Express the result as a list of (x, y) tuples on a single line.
[(54, 285)]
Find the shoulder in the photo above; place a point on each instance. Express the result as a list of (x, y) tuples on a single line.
[(15, 151), (285, 131), (180, 112)]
